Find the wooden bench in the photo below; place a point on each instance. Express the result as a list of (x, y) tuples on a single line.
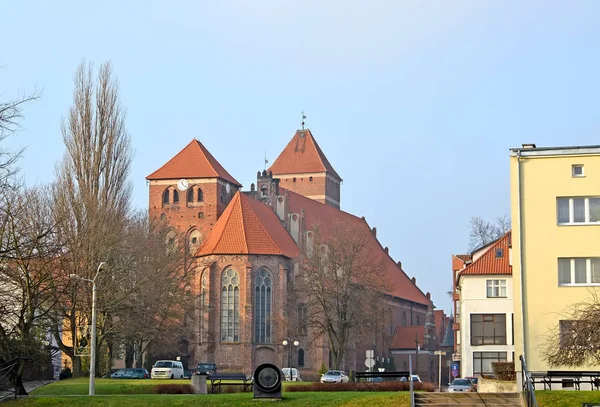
[(566, 376), (232, 379), (384, 375)]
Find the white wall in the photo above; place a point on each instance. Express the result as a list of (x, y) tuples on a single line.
[(473, 299)]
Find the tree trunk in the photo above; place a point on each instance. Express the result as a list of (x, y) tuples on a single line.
[(139, 361), (129, 353), (18, 379)]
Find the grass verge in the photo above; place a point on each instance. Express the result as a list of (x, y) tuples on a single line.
[(558, 398)]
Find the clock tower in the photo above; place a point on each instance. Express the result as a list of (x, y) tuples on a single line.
[(190, 192)]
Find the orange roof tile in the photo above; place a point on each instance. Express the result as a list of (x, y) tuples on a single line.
[(302, 155), (465, 257), (405, 337), (327, 217), (194, 161), (248, 226), (489, 262)]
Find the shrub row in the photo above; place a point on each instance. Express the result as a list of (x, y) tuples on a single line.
[(174, 389), (381, 386), (504, 371)]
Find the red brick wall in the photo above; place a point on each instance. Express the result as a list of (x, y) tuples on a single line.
[(320, 185)]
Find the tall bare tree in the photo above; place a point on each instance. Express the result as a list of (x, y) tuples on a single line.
[(575, 340), (27, 276), (341, 283), (483, 232), (92, 197)]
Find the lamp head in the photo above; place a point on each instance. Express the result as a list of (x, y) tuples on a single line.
[(296, 343), (285, 342)]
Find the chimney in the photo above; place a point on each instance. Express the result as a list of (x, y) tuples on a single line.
[(528, 145), (428, 295)]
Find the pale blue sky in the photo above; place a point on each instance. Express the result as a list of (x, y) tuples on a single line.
[(414, 103)]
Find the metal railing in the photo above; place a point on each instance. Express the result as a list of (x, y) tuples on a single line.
[(6, 369), (528, 390)]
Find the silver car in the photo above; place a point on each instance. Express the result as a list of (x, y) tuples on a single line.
[(334, 376), (460, 385)]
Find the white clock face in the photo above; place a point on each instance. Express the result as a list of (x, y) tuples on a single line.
[(227, 188), (182, 184)]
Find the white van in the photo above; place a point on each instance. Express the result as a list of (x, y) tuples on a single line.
[(293, 377), (167, 369)]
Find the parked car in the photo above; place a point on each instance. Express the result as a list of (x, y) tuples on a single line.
[(415, 378), (334, 376), (460, 385), (205, 368), (187, 374), (167, 369), (473, 381), (130, 373), (295, 374)]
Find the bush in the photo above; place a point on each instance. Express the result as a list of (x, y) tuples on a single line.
[(323, 370), (362, 386), (65, 373), (174, 389), (504, 371)]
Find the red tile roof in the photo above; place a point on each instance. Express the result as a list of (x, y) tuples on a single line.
[(248, 226), (327, 217), (489, 263), (302, 155), (405, 337), (465, 257), (194, 161)]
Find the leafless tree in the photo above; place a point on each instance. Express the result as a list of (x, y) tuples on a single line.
[(575, 340), (91, 198), (483, 232), (27, 275), (341, 282)]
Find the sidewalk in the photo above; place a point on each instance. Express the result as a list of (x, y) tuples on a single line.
[(29, 387)]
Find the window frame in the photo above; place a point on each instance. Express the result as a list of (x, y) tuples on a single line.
[(230, 330), (481, 358), (496, 339), (573, 171), (501, 283), (263, 306), (573, 272), (571, 205)]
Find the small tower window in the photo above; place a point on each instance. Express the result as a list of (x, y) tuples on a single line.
[(294, 179), (175, 196), (264, 190), (200, 215), (194, 240), (200, 195), (163, 216), (499, 253), (310, 179), (166, 196), (190, 195)]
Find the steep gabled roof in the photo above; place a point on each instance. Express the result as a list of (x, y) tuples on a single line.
[(194, 161), (327, 217), (302, 155), (405, 337), (495, 260), (248, 226)]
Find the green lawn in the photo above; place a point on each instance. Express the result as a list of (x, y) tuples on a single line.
[(134, 393), (558, 398)]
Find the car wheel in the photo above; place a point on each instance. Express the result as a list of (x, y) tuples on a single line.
[(172, 376)]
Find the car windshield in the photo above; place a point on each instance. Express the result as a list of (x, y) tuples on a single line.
[(204, 366), (333, 373), (163, 364), (461, 382)]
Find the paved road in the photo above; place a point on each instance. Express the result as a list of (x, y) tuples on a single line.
[(29, 386)]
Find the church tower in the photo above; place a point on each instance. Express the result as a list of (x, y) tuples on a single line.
[(190, 192), (303, 168)]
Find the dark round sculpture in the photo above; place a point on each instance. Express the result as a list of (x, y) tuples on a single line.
[(267, 382)]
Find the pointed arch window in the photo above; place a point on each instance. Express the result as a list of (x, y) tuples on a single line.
[(263, 299), (175, 196), (418, 320), (190, 195), (300, 357), (200, 195), (230, 306), (166, 196), (403, 318)]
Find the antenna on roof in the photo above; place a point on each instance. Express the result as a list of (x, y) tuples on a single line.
[(266, 161), (303, 119)]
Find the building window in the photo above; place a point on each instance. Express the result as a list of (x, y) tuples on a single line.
[(163, 216), (222, 194), (200, 215), (302, 318), (577, 170), (263, 293), (488, 329), (190, 195), (418, 320), (175, 196), (194, 240), (580, 210), (230, 306), (579, 271), (300, 357), (496, 288), (499, 253), (200, 195), (294, 179), (310, 179), (482, 361), (403, 318), (166, 196)]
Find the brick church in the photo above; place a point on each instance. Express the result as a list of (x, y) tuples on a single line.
[(242, 247)]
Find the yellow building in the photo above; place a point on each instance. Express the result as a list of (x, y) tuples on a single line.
[(555, 208)]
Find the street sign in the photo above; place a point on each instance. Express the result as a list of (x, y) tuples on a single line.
[(439, 352), (370, 362), (456, 357), (455, 369)]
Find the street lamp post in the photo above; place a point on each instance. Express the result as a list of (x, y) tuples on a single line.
[(92, 388), (290, 342)]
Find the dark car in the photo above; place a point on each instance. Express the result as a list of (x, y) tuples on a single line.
[(131, 373), (205, 368), (187, 374)]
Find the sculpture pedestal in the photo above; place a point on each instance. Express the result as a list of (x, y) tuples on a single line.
[(199, 384)]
